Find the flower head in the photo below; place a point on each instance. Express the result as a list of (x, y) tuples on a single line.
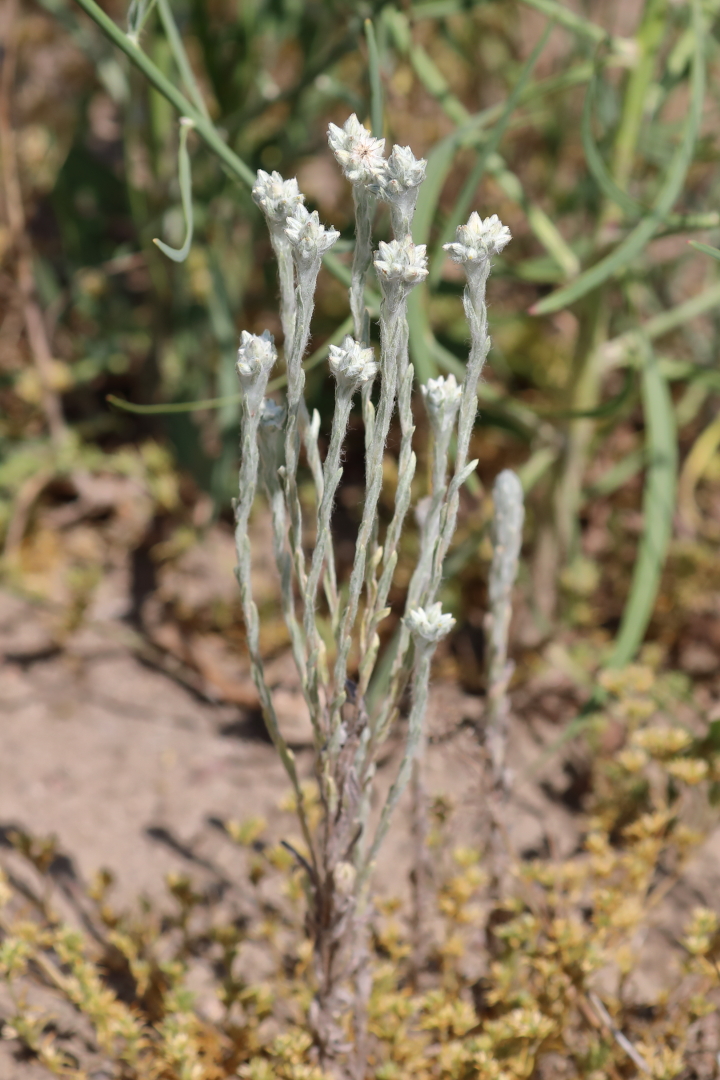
[(352, 365), (429, 625), (255, 358), (359, 154), (479, 239), (309, 239), (401, 261), (402, 173), (442, 400), (277, 198), (272, 416)]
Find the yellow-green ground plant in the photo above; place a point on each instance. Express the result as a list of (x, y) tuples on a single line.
[(539, 982)]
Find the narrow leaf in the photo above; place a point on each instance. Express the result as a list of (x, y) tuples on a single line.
[(179, 255), (376, 91), (658, 508), (596, 165), (636, 240), (464, 200), (231, 399), (706, 249)]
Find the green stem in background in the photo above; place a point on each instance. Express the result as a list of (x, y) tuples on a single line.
[(658, 508), (587, 382), (570, 20), (230, 399), (376, 91), (179, 255), (204, 128), (637, 239), (649, 38), (181, 57), (584, 397), (465, 199)]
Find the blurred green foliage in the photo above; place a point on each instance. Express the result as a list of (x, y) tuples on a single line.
[(588, 128)]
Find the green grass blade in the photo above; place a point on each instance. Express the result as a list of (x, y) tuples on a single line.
[(676, 316), (636, 240), (376, 90), (597, 166), (231, 399), (171, 407), (570, 20), (617, 475), (706, 249), (421, 338), (185, 178), (152, 72), (464, 201), (607, 408), (181, 57), (658, 507)]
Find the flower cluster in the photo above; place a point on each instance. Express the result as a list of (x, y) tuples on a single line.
[(442, 398), (352, 365), (256, 356), (358, 153), (277, 198), (401, 261), (429, 625), (308, 238), (480, 238)]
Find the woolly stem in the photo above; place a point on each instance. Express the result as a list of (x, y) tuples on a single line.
[(332, 472), (390, 333), (420, 685), (364, 214), (247, 487)]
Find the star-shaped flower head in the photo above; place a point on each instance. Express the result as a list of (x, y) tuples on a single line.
[(277, 198), (429, 625), (401, 261), (308, 238), (403, 172), (358, 153), (442, 398), (479, 239), (352, 365), (398, 186), (255, 359)]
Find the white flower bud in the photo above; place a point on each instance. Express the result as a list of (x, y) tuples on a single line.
[(352, 365), (359, 154), (401, 261), (479, 239), (256, 357), (272, 416), (309, 239), (403, 172), (442, 398), (429, 625), (277, 198)]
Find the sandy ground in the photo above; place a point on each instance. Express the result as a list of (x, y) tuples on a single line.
[(130, 760)]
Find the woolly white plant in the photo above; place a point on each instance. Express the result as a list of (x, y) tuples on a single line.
[(340, 855)]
